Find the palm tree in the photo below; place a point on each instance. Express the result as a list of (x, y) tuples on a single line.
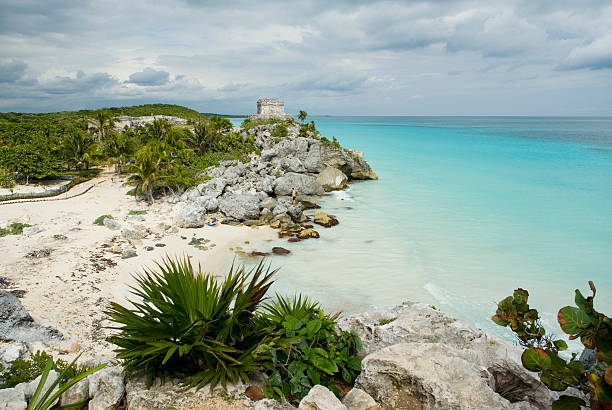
[(302, 115), (147, 169), (79, 149), (202, 138), (104, 122), (119, 148)]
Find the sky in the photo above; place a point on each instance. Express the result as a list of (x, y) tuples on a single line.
[(336, 57)]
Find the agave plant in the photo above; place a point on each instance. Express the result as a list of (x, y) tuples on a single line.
[(188, 325)]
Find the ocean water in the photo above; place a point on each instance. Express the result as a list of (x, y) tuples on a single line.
[(466, 210)]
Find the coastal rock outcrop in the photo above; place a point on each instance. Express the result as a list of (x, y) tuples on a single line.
[(437, 343), (331, 179)]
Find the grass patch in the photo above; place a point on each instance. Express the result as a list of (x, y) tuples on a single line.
[(134, 212), (15, 228), (100, 220), (383, 322)]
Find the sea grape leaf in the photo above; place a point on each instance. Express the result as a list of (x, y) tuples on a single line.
[(568, 403), (573, 320), (551, 382), (535, 359), (560, 345)]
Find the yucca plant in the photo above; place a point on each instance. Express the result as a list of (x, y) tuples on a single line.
[(188, 325)]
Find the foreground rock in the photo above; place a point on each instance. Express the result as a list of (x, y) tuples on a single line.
[(16, 324), (191, 215), (427, 359), (324, 219), (357, 399), (320, 398), (240, 206)]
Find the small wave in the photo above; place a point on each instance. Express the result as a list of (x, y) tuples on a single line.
[(343, 196), (438, 293)]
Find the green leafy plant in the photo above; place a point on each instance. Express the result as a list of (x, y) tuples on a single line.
[(383, 322), (137, 212), (280, 131), (43, 399), (313, 351), (100, 220), (16, 228), (186, 324), (582, 322)]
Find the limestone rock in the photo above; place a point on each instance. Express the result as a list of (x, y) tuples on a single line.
[(240, 206), (106, 387), (428, 375), (129, 253), (32, 230), (77, 393), (134, 234), (30, 387), (16, 324), (357, 399), (320, 398), (12, 399), (271, 404), (12, 352), (324, 219), (418, 323), (303, 184), (110, 223), (292, 164), (284, 206), (269, 203), (308, 233), (191, 215), (213, 187), (332, 179)]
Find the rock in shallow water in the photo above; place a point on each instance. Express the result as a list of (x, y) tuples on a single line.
[(332, 179), (277, 250), (324, 219)]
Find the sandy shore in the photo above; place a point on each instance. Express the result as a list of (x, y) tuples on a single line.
[(70, 287)]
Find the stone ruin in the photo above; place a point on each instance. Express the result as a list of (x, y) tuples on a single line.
[(270, 108)]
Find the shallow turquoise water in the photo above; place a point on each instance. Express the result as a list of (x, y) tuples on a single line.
[(466, 209)]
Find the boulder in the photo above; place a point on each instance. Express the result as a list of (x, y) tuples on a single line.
[(308, 233), (267, 185), (134, 233), (32, 230), (213, 187), (357, 399), (106, 387), (16, 324), (30, 387), (110, 223), (208, 202), (269, 203), (320, 398), (332, 179), (12, 352), (324, 219), (191, 215), (266, 216), (77, 393), (277, 250), (292, 164), (429, 375), (240, 206), (303, 184), (129, 253), (12, 399), (284, 206), (413, 323)]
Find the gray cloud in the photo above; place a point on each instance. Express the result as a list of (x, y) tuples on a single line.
[(149, 77), (12, 70), (324, 57)]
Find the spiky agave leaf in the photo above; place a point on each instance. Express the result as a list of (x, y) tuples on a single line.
[(185, 323)]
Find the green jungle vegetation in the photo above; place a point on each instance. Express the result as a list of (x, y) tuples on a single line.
[(159, 157)]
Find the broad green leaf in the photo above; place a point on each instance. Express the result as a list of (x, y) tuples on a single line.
[(312, 327), (560, 345), (552, 382), (535, 359), (328, 366), (354, 363), (573, 320), (568, 403), (314, 375)]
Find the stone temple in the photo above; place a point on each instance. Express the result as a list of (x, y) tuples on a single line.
[(270, 108)]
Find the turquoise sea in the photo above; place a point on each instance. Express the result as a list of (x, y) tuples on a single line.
[(466, 210)]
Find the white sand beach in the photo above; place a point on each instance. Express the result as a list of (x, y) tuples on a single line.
[(84, 271)]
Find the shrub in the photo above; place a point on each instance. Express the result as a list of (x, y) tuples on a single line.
[(100, 220), (6, 179), (15, 228), (186, 324), (280, 131), (542, 351), (318, 354), (27, 370)]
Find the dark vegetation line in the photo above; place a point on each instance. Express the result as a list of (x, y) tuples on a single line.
[(43, 199)]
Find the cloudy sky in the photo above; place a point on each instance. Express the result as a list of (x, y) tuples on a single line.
[(437, 57)]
